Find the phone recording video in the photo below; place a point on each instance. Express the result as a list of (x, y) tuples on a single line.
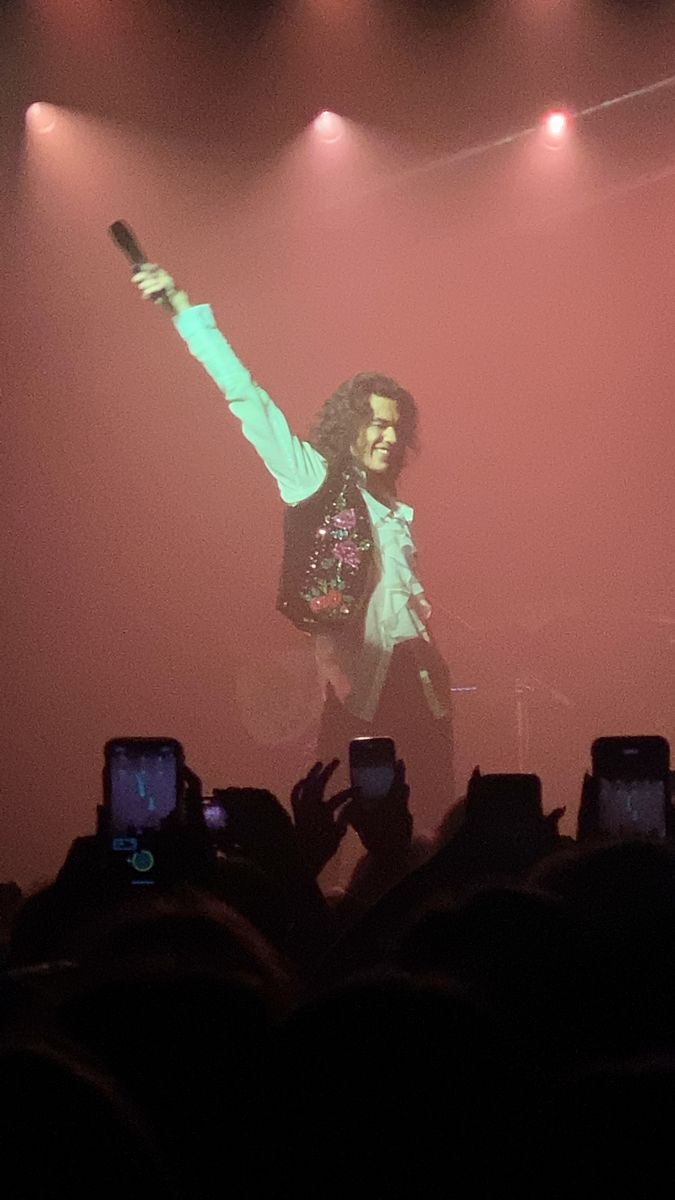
[(215, 815), (372, 762), (633, 785), (142, 778), (142, 781), (215, 812)]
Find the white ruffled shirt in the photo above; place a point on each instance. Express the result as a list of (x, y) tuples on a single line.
[(356, 661)]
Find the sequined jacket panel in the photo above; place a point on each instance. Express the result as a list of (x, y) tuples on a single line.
[(328, 571)]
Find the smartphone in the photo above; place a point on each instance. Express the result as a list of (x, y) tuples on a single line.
[(505, 797), (633, 785), (142, 778), (215, 811), (372, 762)]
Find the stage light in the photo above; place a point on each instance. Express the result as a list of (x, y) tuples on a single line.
[(556, 126), (329, 126), (41, 117)]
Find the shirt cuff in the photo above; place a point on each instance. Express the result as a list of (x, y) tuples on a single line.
[(199, 316)]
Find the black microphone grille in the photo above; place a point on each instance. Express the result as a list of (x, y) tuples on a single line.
[(125, 240)]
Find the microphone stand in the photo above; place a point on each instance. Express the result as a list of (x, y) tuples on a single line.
[(525, 686)]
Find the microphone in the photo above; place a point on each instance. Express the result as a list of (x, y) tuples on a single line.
[(126, 241)]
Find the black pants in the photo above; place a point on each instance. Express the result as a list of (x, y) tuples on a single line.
[(417, 675)]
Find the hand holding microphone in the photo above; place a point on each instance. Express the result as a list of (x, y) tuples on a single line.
[(153, 282)]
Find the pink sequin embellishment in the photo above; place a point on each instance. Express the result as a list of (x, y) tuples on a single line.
[(344, 520)]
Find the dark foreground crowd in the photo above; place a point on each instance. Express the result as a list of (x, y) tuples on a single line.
[(485, 1013)]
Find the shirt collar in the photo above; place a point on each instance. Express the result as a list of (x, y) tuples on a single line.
[(380, 511)]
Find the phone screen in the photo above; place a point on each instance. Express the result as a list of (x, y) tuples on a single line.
[(633, 793), (142, 783), (215, 815), (371, 767), (632, 806)]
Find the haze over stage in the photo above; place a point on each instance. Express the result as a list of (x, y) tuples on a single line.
[(425, 227)]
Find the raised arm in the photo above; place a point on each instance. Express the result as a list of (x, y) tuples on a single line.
[(298, 468)]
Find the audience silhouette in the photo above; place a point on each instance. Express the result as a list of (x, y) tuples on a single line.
[(489, 1010)]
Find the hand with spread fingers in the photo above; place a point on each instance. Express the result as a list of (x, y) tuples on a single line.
[(318, 824), (155, 284)]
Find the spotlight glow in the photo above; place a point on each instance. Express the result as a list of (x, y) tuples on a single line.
[(328, 126), (41, 117), (556, 125)]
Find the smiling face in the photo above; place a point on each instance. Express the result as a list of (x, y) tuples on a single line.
[(375, 446)]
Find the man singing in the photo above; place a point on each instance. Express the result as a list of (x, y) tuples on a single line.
[(348, 574)]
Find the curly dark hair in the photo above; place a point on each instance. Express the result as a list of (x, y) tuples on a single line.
[(345, 412)]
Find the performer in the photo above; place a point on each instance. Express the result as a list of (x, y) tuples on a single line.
[(348, 575)]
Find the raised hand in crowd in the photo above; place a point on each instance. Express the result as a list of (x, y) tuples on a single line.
[(385, 828), (318, 823), (587, 815), (260, 830), (259, 827)]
